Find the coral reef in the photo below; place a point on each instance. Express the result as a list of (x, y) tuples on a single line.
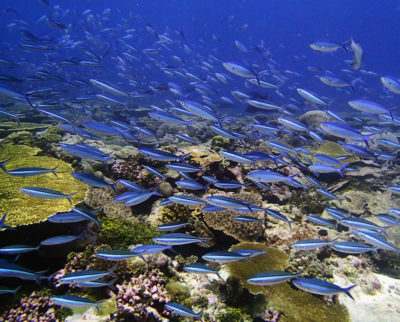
[(143, 298), (24, 209), (314, 118), (295, 305)]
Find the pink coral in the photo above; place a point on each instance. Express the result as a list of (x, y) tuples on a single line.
[(143, 298)]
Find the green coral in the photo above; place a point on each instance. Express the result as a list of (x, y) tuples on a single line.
[(177, 291), (233, 315), (24, 209), (62, 313), (121, 233), (52, 134), (296, 305), (219, 142), (334, 150)]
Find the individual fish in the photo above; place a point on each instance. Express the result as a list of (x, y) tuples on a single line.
[(66, 217), (201, 111), (318, 168), (169, 118), (87, 214), (17, 249), (345, 132), (182, 310), (54, 115), (183, 167), (16, 271), (86, 152), (321, 221), (179, 239), (6, 113), (370, 107), (391, 83), (266, 176), (7, 91), (311, 244), (84, 276), (73, 301), (97, 283), (321, 287), (229, 185), (360, 223), (327, 46), (292, 124), (358, 54), (271, 278), (116, 255), (328, 194), (191, 185), (171, 226), (223, 257), (263, 105), (140, 197), (200, 269), (59, 240), (92, 180), (277, 215), (375, 240), (5, 290), (108, 88), (227, 202), (160, 155), (352, 247), (186, 138), (335, 81), (312, 97), (235, 156), (31, 171), (46, 193), (151, 249), (187, 200)]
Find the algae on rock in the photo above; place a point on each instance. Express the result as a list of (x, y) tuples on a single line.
[(295, 305), (25, 209)]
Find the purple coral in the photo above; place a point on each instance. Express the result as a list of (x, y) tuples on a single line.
[(32, 308), (143, 298)]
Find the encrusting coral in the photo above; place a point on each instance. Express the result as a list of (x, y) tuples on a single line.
[(25, 209)]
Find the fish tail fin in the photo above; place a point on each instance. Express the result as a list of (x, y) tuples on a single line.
[(219, 276), (111, 285), (183, 157), (155, 192), (345, 44), (188, 123), (53, 171), (207, 186), (27, 99), (2, 165), (347, 291), (69, 197), (171, 249), (17, 289), (368, 137)]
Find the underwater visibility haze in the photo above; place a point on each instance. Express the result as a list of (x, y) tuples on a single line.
[(199, 160)]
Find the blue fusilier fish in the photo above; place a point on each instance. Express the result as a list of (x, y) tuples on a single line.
[(266, 176), (210, 208), (229, 185), (11, 270), (391, 83), (108, 88), (352, 247), (183, 167), (160, 155), (345, 131), (87, 214), (311, 244), (242, 71), (131, 185), (86, 152), (9, 92), (227, 202), (250, 253), (263, 105), (235, 156), (370, 107), (326, 159), (292, 124), (223, 257), (98, 283), (171, 226), (328, 46), (31, 171), (314, 182), (200, 269), (223, 132), (84, 276), (102, 128), (271, 278), (92, 180), (182, 310), (360, 223), (59, 240), (321, 221), (5, 290), (6, 113), (312, 97), (140, 197), (318, 168), (116, 255), (186, 138), (187, 200), (335, 81), (281, 147), (73, 301), (321, 287), (54, 115), (201, 111), (328, 194), (389, 143), (394, 212), (279, 216), (191, 185), (165, 202), (151, 249), (337, 213), (66, 217), (248, 219), (388, 220), (179, 239), (394, 188), (2, 223), (376, 240), (169, 118), (155, 172), (17, 249), (46, 193), (357, 150)]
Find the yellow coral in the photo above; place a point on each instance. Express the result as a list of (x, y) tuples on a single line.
[(295, 304), (24, 209)]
